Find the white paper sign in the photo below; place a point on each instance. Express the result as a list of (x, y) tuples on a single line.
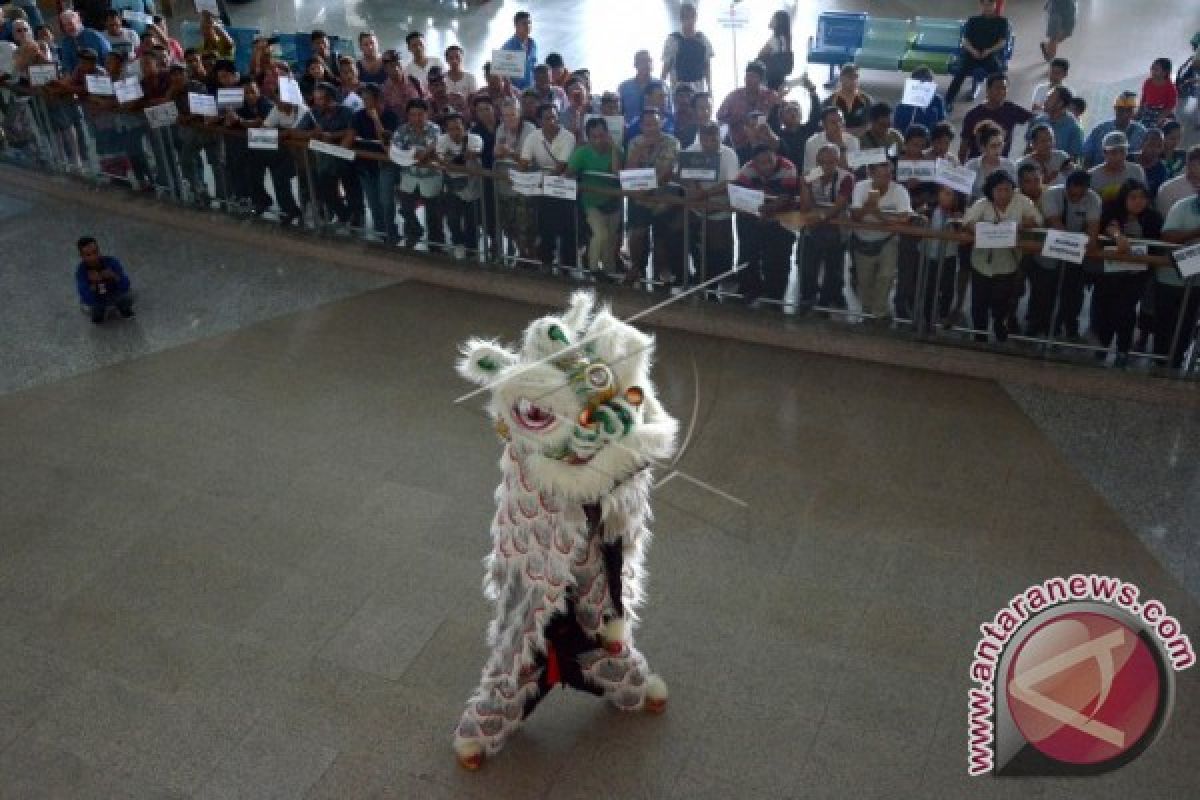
[(916, 170), (136, 16), (41, 74), (161, 116), (6, 60), (992, 236), (1127, 266), (133, 69), (526, 183), (210, 6), (918, 93), (554, 186), (289, 92), (230, 98), (402, 156), (128, 90), (1188, 260), (1065, 246), (746, 200), (509, 63), (344, 153), (864, 158), (635, 180), (263, 138), (960, 179), (202, 105), (99, 85)]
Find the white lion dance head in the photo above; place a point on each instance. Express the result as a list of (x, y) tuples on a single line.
[(576, 401), (565, 573)]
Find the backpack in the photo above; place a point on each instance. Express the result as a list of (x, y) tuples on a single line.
[(691, 59)]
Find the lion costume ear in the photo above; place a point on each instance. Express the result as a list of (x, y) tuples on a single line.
[(483, 360), (579, 311)]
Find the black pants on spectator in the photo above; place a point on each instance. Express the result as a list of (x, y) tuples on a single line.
[(282, 170), (1114, 307), (990, 296), (334, 178), (712, 246), (123, 303), (663, 228), (556, 232), (461, 218), (823, 271), (766, 248), (1168, 304), (908, 257), (434, 220), (939, 288), (969, 65), (1044, 287)]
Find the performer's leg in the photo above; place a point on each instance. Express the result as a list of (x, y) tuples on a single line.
[(625, 679)]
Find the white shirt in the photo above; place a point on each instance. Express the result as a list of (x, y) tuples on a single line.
[(894, 201), (548, 155), (278, 118), (726, 172), (448, 151), (413, 70), (818, 140), (7, 51), (466, 86), (353, 102)]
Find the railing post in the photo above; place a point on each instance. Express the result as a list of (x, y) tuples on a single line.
[(1175, 339)]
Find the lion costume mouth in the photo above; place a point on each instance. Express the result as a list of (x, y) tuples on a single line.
[(532, 417)]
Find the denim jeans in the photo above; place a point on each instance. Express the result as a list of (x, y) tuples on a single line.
[(379, 186)]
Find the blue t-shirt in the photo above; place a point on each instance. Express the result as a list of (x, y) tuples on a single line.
[(531, 59), (69, 48)]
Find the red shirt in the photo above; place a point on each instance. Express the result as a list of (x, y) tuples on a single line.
[(1164, 97)]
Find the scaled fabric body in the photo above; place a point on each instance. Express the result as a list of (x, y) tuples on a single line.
[(582, 425)]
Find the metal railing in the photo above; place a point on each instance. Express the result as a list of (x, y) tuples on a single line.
[(493, 225)]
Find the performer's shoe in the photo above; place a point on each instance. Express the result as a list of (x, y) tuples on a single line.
[(656, 695), (470, 755)]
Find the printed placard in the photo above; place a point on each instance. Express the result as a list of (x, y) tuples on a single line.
[(865, 158), (136, 17), (402, 156), (960, 179), (163, 115), (746, 200), (526, 183), (210, 6), (99, 85), (263, 138), (615, 123), (638, 180), (1135, 249), (916, 170), (128, 90), (202, 105), (230, 98), (918, 93), (6, 60), (508, 63), (695, 165), (289, 92), (41, 74), (563, 188), (1188, 260), (997, 235), (344, 153), (1065, 246), (133, 69)]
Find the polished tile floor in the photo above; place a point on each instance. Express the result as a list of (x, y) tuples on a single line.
[(248, 566)]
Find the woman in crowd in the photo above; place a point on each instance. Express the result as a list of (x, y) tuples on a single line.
[(993, 270), (517, 215), (1159, 95), (1122, 284), (777, 54), (853, 103), (1052, 163), (991, 141)]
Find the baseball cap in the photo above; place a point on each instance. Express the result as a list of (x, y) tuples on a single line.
[(1126, 100), (1114, 140)]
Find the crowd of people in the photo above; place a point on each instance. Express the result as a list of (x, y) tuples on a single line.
[(438, 155)]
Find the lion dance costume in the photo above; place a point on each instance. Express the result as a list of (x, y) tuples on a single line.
[(582, 426)]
